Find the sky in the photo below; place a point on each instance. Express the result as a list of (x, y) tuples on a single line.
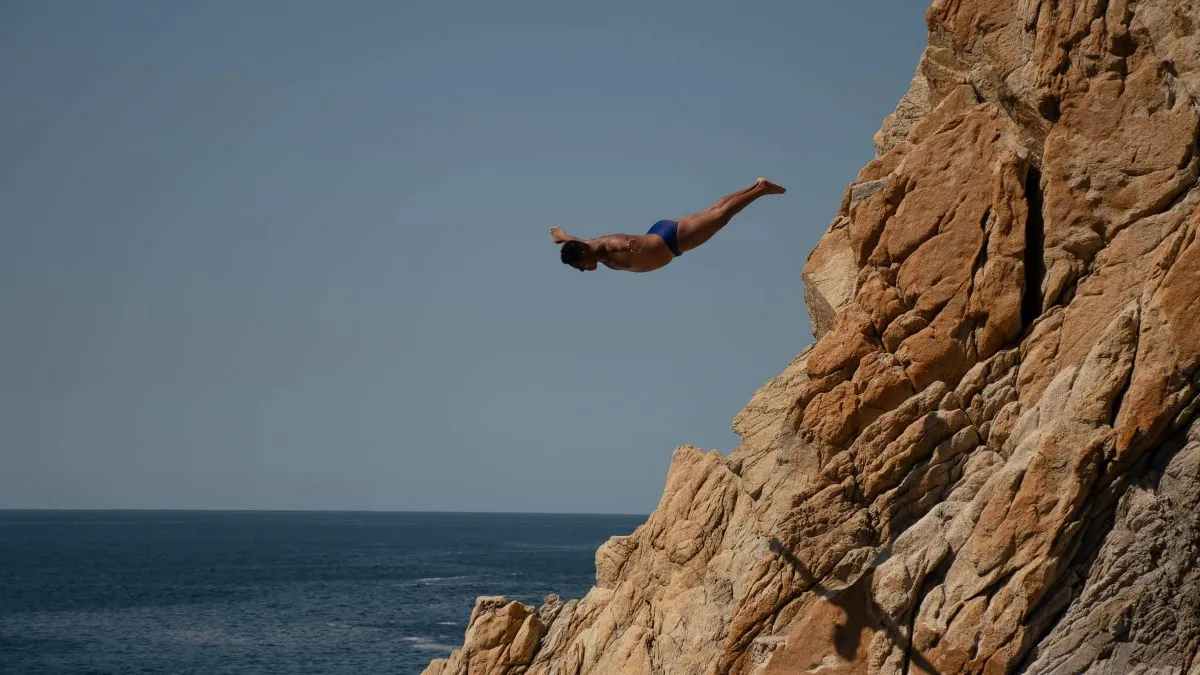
[(294, 255)]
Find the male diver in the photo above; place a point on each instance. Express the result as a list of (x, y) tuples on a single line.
[(666, 240)]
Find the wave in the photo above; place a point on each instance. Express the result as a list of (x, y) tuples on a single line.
[(436, 580), (425, 644)]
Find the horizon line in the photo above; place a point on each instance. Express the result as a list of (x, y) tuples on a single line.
[(37, 509)]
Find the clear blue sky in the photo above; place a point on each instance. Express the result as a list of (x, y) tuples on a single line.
[(294, 254)]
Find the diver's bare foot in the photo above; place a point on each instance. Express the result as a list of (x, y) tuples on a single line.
[(559, 236), (770, 188)]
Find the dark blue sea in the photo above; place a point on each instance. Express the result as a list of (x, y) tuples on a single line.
[(98, 593)]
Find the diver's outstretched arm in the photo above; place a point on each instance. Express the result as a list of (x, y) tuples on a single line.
[(561, 237)]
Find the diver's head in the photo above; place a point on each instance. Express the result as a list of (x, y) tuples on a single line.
[(579, 255)]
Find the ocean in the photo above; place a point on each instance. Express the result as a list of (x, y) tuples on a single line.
[(250, 593)]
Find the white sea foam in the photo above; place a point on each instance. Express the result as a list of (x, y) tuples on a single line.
[(438, 580), (426, 645)]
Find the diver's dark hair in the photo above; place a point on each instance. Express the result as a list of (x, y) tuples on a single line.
[(573, 251)]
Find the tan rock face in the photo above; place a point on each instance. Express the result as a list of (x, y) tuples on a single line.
[(989, 460), (502, 637)]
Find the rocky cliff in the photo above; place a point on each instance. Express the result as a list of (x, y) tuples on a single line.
[(988, 461)]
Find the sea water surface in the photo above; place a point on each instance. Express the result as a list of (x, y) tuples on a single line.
[(149, 592)]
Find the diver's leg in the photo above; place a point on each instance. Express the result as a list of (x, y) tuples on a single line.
[(698, 228)]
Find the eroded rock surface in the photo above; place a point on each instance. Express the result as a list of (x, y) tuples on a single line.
[(989, 460)]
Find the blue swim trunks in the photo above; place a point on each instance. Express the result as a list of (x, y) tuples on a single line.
[(669, 231)]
